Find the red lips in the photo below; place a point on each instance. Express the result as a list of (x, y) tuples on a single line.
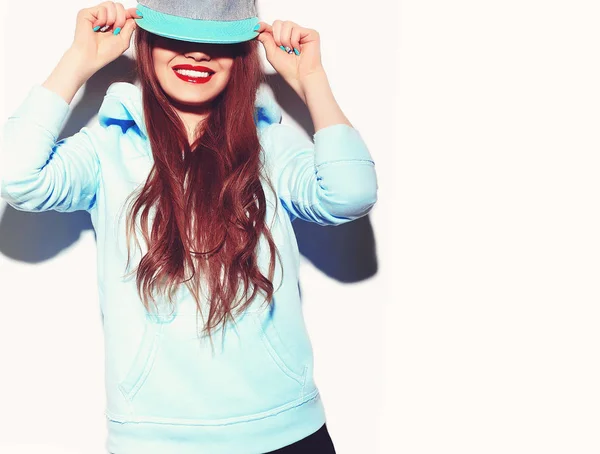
[(195, 68), (194, 80)]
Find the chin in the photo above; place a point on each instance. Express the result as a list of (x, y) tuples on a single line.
[(194, 101), (191, 99)]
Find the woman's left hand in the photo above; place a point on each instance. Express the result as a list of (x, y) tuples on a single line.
[(304, 58)]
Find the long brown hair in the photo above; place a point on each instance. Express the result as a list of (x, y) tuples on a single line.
[(207, 197)]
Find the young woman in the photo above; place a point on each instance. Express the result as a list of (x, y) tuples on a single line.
[(206, 346)]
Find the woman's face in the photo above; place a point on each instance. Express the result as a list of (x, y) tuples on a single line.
[(192, 73)]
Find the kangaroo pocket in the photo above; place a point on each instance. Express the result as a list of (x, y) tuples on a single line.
[(178, 374)]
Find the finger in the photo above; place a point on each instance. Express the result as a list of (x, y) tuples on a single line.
[(127, 31), (286, 33), (308, 35), (267, 40), (264, 27), (277, 32), (111, 15), (295, 38), (119, 18), (132, 13), (98, 16)]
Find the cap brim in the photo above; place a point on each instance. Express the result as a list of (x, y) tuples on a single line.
[(197, 30)]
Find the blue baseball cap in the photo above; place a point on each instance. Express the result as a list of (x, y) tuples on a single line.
[(200, 21)]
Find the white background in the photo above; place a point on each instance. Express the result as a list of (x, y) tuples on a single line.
[(479, 333), (495, 319)]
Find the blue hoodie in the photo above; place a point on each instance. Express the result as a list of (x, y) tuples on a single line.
[(168, 389)]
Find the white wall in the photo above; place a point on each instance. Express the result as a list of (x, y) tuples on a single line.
[(495, 324), (51, 384)]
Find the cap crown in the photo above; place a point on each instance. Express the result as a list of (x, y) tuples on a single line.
[(214, 10)]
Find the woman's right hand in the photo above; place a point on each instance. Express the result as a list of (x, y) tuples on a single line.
[(98, 48)]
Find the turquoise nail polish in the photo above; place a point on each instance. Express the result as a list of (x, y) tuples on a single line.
[(96, 28), (282, 48), (296, 51), (117, 30), (137, 12), (257, 27)]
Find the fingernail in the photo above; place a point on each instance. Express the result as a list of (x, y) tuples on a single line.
[(96, 28), (287, 49), (282, 48), (103, 29), (137, 12), (296, 51), (117, 30), (257, 27)]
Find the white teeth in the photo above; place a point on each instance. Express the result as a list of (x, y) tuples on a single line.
[(192, 73)]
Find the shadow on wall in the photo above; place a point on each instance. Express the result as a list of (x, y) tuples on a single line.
[(345, 253)]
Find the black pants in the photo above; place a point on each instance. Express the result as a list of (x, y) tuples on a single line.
[(317, 443)]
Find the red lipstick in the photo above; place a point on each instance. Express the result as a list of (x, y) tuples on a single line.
[(194, 79)]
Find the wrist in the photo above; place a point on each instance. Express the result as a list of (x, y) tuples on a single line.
[(315, 77), (69, 75), (77, 62)]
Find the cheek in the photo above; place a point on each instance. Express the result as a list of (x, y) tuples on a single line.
[(161, 58), (156, 56), (228, 76), (227, 67)]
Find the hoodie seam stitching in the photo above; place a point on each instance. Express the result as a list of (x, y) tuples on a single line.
[(218, 421)]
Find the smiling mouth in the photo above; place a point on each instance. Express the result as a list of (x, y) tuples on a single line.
[(197, 75)]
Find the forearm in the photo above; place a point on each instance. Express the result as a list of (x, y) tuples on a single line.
[(39, 173), (68, 76), (318, 96)]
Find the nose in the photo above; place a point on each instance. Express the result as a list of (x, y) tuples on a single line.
[(197, 55)]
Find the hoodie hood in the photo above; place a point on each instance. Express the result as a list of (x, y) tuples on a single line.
[(122, 105)]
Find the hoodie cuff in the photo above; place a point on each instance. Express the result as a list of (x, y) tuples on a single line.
[(340, 143), (45, 108)]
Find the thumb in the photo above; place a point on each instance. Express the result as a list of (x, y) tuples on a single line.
[(267, 40), (127, 31)]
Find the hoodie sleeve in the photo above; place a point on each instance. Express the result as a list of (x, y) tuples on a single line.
[(329, 181), (37, 172)]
